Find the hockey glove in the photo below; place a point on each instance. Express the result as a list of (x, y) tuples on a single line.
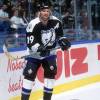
[(64, 43), (41, 48), (34, 48)]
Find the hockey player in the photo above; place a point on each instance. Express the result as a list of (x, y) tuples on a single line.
[(43, 34)]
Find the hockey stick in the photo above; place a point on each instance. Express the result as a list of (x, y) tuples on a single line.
[(22, 57), (11, 57), (7, 53), (29, 55)]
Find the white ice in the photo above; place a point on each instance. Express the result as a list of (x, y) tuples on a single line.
[(88, 92)]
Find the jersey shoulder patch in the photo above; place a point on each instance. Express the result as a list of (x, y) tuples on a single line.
[(32, 24), (54, 18)]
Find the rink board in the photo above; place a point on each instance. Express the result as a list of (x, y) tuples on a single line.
[(76, 68)]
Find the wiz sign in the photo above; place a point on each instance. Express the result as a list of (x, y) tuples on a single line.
[(77, 56)]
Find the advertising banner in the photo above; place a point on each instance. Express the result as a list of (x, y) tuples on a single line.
[(80, 64)]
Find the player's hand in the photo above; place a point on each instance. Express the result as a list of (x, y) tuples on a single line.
[(64, 44), (34, 48), (41, 48)]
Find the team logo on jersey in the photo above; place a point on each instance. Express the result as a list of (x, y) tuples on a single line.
[(52, 67), (57, 26), (48, 36), (30, 71)]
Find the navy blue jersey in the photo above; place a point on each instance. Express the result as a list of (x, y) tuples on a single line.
[(44, 34)]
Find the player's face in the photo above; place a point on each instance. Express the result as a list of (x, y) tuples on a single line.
[(44, 14)]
